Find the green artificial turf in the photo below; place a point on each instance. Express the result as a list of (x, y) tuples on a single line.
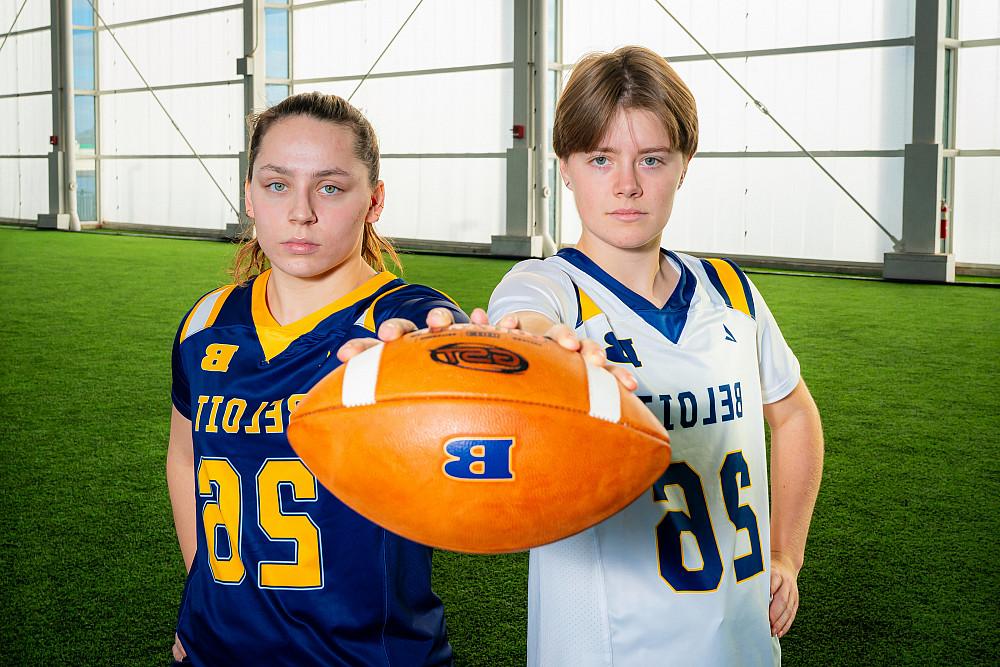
[(901, 567)]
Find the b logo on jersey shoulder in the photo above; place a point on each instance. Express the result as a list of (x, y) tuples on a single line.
[(621, 351), (479, 459), (480, 357), (217, 357)]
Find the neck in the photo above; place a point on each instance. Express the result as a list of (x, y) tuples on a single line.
[(290, 298), (643, 270)]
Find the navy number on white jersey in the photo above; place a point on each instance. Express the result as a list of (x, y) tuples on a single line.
[(693, 526)]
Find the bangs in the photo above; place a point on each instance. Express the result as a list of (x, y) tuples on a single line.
[(603, 84)]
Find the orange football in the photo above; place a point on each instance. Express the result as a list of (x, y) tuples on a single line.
[(479, 441)]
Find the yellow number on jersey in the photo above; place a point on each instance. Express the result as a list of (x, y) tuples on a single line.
[(219, 481), (306, 571)]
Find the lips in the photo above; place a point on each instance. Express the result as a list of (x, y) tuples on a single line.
[(299, 246), (627, 214)]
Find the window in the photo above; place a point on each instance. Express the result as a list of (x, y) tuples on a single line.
[(86, 128), (276, 25), (86, 194)]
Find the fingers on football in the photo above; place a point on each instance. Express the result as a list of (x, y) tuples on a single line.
[(396, 327), (563, 335), (509, 322), (437, 319), (480, 317), (353, 348), (626, 379)]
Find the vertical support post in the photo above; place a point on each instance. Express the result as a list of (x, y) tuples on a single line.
[(519, 238), (253, 69), (920, 259), (69, 115), (62, 166), (540, 71)]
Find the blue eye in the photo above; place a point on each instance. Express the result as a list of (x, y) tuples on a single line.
[(650, 161), (276, 187), (600, 161), (330, 189)]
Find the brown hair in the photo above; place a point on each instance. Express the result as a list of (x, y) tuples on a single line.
[(633, 77), (250, 259)]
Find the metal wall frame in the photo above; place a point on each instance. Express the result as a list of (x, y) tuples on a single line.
[(294, 82), (936, 41)]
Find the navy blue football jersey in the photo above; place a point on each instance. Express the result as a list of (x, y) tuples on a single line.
[(286, 574)]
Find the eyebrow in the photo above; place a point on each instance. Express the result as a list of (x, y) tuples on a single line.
[(336, 171), (654, 149)]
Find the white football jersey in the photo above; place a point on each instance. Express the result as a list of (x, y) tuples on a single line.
[(682, 575)]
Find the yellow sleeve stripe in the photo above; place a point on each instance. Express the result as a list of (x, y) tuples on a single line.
[(733, 286), (588, 308), (205, 311)]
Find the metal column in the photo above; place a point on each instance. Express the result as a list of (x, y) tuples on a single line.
[(252, 68), (920, 258), (523, 235), (62, 159)]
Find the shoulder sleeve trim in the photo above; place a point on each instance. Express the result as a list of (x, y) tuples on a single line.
[(585, 306), (731, 283), (367, 318), (203, 315)]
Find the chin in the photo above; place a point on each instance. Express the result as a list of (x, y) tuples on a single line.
[(632, 241)]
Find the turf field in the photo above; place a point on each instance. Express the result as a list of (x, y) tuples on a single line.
[(902, 565)]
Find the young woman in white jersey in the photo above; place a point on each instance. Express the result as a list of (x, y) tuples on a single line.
[(702, 570)]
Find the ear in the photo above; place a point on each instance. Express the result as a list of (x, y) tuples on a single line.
[(246, 198), (376, 205), (683, 173), (563, 165)]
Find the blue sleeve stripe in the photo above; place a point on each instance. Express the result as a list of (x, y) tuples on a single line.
[(579, 306)]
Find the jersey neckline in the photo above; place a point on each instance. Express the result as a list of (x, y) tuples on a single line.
[(668, 320), (679, 299), (275, 338)]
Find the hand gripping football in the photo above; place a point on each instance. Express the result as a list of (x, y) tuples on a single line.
[(479, 441)]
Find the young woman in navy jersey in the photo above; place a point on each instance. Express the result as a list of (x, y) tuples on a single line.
[(279, 571)]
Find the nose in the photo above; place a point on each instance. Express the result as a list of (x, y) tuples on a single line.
[(302, 210), (627, 183)]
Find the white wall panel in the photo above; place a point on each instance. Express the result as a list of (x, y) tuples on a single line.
[(977, 210), (27, 124), (185, 50), (34, 15), (211, 118), (169, 192), (117, 11), (845, 100), (979, 19), (461, 112), (344, 39), (783, 207), (978, 106), (729, 25), (24, 188), (444, 199), (25, 63)]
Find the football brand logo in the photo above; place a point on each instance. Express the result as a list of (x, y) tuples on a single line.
[(479, 357), (479, 459)]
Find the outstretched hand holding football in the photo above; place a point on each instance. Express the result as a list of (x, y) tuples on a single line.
[(442, 318)]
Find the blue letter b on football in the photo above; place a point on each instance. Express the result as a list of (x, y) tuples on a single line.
[(474, 459)]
